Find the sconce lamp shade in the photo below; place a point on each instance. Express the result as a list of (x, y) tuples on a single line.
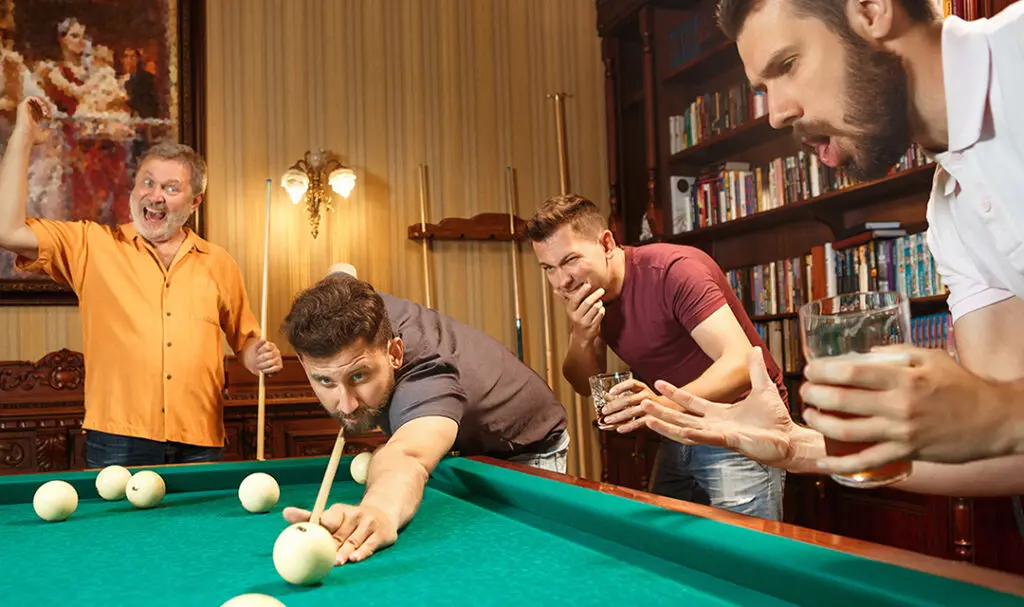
[(343, 181), (295, 182)]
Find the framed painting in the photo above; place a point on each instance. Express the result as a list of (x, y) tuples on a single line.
[(119, 75)]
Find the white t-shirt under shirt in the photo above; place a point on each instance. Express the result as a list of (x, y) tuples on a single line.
[(976, 210)]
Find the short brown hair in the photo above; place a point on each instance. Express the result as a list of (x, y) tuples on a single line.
[(335, 313), (168, 150), (569, 209), (732, 14)]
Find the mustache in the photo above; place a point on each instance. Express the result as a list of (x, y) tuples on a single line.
[(812, 132)]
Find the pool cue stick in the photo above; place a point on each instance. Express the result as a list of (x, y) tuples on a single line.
[(509, 180), (261, 406), (563, 179), (423, 228), (325, 486)]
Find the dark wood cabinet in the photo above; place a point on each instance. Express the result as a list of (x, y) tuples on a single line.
[(649, 80), (41, 412)]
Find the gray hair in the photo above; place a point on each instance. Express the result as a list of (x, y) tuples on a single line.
[(169, 150)]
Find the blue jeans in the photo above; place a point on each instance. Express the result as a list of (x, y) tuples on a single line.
[(102, 449), (553, 458), (720, 478)]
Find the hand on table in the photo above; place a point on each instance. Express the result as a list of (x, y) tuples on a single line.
[(267, 358), (932, 409), (586, 311), (624, 403), (758, 427), (360, 530)]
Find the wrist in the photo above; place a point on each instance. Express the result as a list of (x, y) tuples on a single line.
[(806, 447), (21, 136)]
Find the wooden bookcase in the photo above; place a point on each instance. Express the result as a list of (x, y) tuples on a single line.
[(649, 79)]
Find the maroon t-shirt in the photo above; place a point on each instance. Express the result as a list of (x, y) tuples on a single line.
[(667, 291)]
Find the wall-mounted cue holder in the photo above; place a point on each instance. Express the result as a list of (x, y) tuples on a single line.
[(485, 226)]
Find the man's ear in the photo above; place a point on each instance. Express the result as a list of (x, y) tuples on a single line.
[(396, 352), (607, 240), (198, 200)]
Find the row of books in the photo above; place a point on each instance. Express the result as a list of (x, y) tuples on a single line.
[(733, 190), (870, 261), (695, 35), (782, 338), (714, 113)]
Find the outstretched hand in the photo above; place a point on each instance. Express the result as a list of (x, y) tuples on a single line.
[(758, 427)]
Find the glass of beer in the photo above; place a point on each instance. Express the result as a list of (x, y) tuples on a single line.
[(850, 326), (600, 384)]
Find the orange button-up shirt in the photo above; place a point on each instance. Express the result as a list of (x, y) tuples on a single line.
[(154, 351)]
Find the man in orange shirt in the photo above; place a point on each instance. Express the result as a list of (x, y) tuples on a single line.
[(155, 300)]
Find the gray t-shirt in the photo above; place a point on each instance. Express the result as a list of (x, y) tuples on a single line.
[(452, 370)]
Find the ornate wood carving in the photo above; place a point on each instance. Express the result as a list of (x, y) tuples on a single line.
[(963, 529), (14, 451), (51, 452), (485, 226), (61, 371)]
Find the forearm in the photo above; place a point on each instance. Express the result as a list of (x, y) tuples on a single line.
[(724, 381), (582, 360), (395, 484), (249, 355), (994, 477), (14, 186)]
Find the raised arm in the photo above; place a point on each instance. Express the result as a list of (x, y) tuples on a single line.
[(15, 235)]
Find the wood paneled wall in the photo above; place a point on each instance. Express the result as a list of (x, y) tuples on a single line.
[(460, 85)]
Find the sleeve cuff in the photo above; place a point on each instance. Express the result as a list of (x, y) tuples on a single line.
[(975, 301)]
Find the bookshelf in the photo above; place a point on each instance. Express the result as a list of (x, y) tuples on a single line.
[(677, 109)]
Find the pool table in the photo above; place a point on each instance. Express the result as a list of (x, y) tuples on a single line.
[(487, 533)]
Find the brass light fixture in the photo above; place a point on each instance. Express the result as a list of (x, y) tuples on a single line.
[(308, 179)]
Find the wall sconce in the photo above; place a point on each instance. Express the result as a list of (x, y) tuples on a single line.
[(306, 179)]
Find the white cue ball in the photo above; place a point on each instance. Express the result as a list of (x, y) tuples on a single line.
[(304, 553), (253, 600), (259, 492), (145, 489), (55, 500), (112, 482), (360, 466)]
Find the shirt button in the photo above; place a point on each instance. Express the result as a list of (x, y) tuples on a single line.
[(168, 376), (986, 205), (168, 313), (168, 344)]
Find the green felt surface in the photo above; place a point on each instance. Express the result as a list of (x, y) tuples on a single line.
[(483, 536)]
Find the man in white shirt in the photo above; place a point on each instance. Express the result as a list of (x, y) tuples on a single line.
[(900, 74)]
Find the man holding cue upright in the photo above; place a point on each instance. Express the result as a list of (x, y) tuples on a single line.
[(859, 80), (156, 302)]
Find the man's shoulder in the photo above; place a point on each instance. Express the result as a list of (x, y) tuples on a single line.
[(659, 258)]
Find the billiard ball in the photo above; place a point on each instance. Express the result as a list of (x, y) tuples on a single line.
[(55, 500), (112, 481), (259, 492), (304, 553), (360, 466), (253, 600), (145, 489)]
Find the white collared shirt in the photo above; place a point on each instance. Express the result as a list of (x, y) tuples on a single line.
[(976, 210)]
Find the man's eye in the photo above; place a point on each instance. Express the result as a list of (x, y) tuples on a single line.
[(357, 378)]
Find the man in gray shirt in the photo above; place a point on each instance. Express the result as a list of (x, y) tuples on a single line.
[(431, 383)]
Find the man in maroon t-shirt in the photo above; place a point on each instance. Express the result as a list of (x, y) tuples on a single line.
[(669, 313)]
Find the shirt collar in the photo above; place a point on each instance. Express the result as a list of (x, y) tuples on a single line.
[(192, 240), (966, 71)]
